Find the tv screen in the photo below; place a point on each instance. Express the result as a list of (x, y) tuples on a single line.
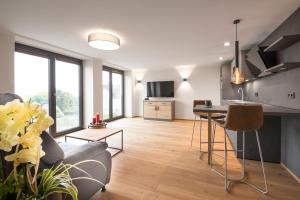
[(160, 89)]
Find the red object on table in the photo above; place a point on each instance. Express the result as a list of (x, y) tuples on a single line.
[(97, 118), (94, 120)]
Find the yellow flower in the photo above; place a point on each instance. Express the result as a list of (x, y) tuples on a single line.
[(9, 127), (41, 123), (30, 140), (22, 123), (31, 155), (8, 140)]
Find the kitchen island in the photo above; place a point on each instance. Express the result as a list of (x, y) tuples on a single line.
[(271, 134)]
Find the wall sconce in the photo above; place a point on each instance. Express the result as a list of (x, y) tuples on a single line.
[(184, 79), (139, 81)]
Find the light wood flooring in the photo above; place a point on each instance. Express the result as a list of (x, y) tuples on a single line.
[(159, 163)]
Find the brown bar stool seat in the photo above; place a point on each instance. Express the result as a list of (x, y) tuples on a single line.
[(245, 119), (202, 115)]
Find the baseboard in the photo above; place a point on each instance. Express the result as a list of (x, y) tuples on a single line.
[(290, 172)]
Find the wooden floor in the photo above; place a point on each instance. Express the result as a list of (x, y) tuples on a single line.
[(158, 163)]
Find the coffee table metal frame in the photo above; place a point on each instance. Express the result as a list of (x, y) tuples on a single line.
[(119, 150)]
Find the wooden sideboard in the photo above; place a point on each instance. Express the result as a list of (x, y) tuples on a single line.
[(159, 110)]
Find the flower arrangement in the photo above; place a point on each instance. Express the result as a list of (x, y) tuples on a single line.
[(21, 126)]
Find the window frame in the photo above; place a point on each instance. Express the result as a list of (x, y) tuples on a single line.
[(52, 57), (117, 71)]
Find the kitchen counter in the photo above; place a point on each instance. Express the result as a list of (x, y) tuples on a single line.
[(270, 134), (268, 109)]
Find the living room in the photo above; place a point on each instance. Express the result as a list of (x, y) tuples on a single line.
[(149, 99)]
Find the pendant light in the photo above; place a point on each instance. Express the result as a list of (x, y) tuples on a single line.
[(237, 76)]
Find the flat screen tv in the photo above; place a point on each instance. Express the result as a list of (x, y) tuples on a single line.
[(160, 89)]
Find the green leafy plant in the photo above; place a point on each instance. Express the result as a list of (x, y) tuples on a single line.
[(58, 180)]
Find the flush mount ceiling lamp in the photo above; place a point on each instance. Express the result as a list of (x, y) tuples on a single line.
[(104, 41), (237, 76)]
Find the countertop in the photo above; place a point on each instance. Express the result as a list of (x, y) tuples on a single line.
[(161, 100), (270, 110)]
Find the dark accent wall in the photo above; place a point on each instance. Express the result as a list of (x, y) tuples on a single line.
[(274, 89)]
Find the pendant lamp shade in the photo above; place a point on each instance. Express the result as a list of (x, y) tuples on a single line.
[(104, 41), (237, 77)]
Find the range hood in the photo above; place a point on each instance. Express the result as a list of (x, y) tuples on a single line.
[(259, 61)]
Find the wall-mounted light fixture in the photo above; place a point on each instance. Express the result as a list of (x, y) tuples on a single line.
[(184, 79), (226, 44), (139, 81)]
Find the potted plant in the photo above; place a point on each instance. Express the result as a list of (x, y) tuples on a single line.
[(21, 126)]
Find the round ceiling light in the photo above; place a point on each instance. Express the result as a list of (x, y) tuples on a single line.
[(104, 41)]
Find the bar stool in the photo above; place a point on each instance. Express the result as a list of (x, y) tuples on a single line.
[(245, 119), (202, 115)]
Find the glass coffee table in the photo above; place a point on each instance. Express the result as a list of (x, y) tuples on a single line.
[(92, 135)]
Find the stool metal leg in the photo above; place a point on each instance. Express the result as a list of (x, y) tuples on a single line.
[(213, 142), (243, 178), (193, 131), (225, 156), (200, 135), (264, 191), (214, 135), (243, 173)]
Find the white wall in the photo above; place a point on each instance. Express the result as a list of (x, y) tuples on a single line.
[(7, 49), (203, 83), (92, 89), (129, 93)]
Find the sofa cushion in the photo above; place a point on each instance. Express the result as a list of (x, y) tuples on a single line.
[(75, 153)]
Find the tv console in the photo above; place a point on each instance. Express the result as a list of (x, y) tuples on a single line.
[(159, 110)]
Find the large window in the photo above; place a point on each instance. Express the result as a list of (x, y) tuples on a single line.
[(32, 78), (113, 93), (67, 95), (53, 81)]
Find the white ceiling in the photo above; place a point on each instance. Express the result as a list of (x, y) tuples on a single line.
[(153, 33)]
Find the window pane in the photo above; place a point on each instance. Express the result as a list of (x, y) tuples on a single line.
[(105, 90), (117, 94), (31, 78), (67, 95)]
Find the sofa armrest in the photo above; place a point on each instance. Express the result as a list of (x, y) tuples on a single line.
[(101, 172)]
